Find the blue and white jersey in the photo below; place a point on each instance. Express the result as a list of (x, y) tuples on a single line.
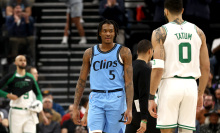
[(106, 71)]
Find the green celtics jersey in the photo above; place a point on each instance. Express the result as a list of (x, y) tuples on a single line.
[(25, 87), (182, 50)]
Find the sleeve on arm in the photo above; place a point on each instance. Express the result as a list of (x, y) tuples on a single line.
[(36, 88), (4, 82), (39, 95), (144, 87)]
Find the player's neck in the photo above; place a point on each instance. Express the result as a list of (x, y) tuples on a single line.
[(21, 71), (106, 47), (143, 57), (177, 19)]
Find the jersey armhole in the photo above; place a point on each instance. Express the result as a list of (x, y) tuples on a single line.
[(92, 55), (195, 28), (163, 26), (119, 56)]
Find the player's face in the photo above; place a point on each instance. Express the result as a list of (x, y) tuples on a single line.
[(34, 72), (107, 33), (21, 62)]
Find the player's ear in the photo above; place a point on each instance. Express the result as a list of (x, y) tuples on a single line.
[(182, 10), (165, 11)]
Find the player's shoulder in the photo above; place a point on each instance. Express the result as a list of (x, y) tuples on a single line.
[(11, 74), (200, 32), (88, 52), (160, 30), (124, 49)]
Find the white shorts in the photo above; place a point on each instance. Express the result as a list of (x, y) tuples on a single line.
[(22, 121), (177, 101)]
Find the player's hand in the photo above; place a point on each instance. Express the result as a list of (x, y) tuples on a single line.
[(84, 120), (12, 96), (199, 103), (143, 127), (128, 116), (76, 115), (152, 108)]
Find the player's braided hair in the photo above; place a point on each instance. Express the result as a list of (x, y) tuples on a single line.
[(107, 22)]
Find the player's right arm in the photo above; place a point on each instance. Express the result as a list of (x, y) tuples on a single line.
[(81, 83), (204, 68), (158, 38), (3, 83)]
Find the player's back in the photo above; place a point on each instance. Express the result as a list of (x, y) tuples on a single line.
[(182, 50)]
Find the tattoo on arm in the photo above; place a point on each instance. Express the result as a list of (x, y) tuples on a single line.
[(128, 73), (81, 83), (200, 33), (79, 90), (160, 35)]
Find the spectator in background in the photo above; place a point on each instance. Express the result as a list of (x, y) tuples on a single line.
[(114, 10), (34, 72), (74, 9), (84, 103), (3, 123), (25, 5), (3, 41), (217, 95), (159, 11), (198, 12), (80, 129), (20, 28), (56, 106), (208, 104), (52, 126), (215, 60), (67, 116), (209, 85), (68, 125), (213, 126), (47, 104)]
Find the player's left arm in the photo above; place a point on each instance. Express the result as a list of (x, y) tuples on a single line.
[(36, 90), (128, 76)]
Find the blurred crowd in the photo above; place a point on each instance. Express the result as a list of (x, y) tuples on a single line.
[(17, 36)]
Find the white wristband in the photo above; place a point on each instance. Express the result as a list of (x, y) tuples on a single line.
[(158, 63)]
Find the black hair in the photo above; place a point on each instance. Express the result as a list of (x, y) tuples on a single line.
[(143, 46), (174, 6), (107, 22)]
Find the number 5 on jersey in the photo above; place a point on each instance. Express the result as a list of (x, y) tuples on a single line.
[(112, 74)]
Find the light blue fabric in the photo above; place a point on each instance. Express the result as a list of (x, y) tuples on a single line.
[(106, 72)]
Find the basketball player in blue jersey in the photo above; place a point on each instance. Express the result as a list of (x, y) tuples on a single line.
[(110, 66)]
